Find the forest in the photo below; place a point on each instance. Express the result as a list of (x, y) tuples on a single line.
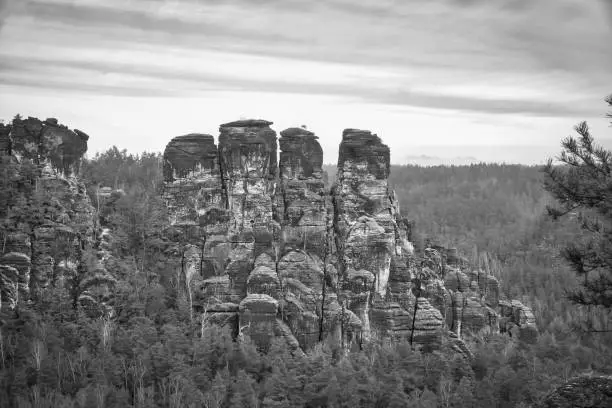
[(152, 353)]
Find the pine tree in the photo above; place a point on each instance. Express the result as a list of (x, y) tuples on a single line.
[(581, 187)]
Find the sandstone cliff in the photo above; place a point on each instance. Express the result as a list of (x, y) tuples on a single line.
[(269, 250), (581, 392), (264, 246), (48, 220)]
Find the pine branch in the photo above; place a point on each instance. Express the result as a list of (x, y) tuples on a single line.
[(584, 182)]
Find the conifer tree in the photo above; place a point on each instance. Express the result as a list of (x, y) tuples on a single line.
[(582, 187)]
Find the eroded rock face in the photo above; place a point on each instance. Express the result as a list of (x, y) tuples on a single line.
[(304, 211), (363, 224), (362, 181), (584, 391), (475, 301), (276, 253), (247, 150), (303, 206), (60, 217), (224, 315), (518, 320), (220, 204), (258, 319), (55, 147), (265, 247), (301, 154), (193, 187), (427, 324)]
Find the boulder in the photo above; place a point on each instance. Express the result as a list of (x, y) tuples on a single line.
[(585, 391)]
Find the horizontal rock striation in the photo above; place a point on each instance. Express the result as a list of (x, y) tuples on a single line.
[(54, 147), (263, 247), (247, 151), (49, 219), (193, 188), (585, 391), (268, 249), (518, 320), (303, 206)]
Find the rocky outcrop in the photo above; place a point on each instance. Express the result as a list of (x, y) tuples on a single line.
[(278, 253), (54, 147), (193, 189), (487, 286), (367, 231), (220, 202), (303, 207), (265, 248), (518, 320), (581, 392), (49, 219), (427, 324), (258, 318), (247, 151), (303, 293), (304, 211)]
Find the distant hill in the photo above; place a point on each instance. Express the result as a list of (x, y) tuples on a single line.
[(425, 160)]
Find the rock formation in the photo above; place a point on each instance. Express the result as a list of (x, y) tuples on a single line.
[(265, 248), (581, 392), (270, 251), (516, 318), (49, 219)]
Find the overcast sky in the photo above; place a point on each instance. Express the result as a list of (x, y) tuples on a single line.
[(499, 80)]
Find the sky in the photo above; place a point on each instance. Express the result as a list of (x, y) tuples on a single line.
[(438, 80)]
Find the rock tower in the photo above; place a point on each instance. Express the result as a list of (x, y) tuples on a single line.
[(270, 251)]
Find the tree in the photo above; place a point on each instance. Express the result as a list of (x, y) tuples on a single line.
[(581, 185), (243, 394)]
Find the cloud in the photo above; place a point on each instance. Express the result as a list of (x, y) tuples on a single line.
[(5, 7), (477, 36), (490, 106), (149, 80), (106, 18), (68, 87), (512, 58)]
